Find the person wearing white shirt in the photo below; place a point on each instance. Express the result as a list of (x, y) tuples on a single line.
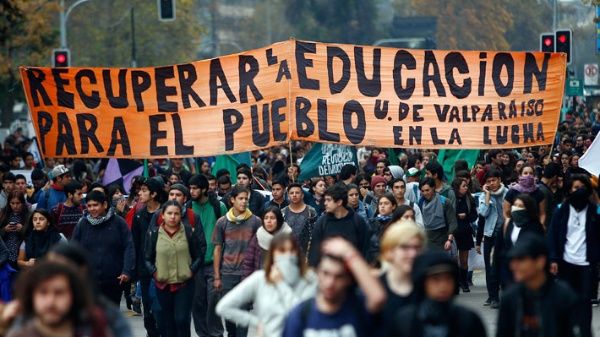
[(574, 242)]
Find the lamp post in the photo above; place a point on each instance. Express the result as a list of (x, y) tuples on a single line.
[(64, 16)]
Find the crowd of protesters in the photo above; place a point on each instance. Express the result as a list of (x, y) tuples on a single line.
[(377, 250)]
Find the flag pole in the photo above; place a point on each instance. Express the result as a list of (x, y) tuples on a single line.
[(146, 169), (291, 157)]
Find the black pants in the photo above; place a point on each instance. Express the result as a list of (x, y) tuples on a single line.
[(111, 290), (149, 320), (491, 270), (229, 282), (580, 278), (175, 314), (206, 322)]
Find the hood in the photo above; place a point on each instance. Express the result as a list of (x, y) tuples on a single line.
[(429, 263)]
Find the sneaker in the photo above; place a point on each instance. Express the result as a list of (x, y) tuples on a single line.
[(487, 302), (595, 303), (465, 289), (495, 304), (136, 305)]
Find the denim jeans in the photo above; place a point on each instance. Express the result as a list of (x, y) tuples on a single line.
[(148, 305), (175, 313)]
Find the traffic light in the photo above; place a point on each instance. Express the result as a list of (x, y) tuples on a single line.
[(547, 42), (563, 43), (166, 10), (61, 58)]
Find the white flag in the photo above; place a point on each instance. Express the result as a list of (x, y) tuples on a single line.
[(590, 160), (35, 151)]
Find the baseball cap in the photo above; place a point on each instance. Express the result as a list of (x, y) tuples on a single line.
[(413, 171), (58, 171), (528, 245)]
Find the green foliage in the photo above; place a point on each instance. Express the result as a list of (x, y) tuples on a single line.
[(530, 18), (342, 21), (100, 34), (27, 34)]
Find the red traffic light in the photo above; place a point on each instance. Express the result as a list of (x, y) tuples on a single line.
[(548, 42), (61, 58), (562, 38)]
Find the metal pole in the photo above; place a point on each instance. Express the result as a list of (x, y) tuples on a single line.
[(554, 16), (269, 24), (63, 24), (133, 50)]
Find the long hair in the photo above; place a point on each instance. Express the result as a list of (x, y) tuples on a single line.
[(24, 213), (278, 241), (45, 214), (32, 278), (277, 212)]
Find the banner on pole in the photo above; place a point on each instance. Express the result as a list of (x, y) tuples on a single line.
[(326, 160), (298, 90)]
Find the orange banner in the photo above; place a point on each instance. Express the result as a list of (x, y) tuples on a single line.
[(348, 94)]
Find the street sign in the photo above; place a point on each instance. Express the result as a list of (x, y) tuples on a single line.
[(590, 72), (574, 87)]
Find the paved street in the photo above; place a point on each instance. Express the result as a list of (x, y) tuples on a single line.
[(473, 300)]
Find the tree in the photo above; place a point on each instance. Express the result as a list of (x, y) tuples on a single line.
[(530, 18), (342, 21), (468, 24), (100, 34), (27, 34)]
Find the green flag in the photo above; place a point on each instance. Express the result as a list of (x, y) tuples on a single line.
[(230, 163), (448, 157), (326, 160)]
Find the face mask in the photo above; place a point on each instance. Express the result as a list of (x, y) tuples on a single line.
[(519, 216), (579, 199), (288, 267)]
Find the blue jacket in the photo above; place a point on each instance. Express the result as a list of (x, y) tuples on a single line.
[(489, 213), (50, 198), (557, 233)]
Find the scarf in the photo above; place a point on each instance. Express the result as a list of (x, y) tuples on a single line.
[(240, 218), (433, 214), (100, 220), (38, 243), (499, 191), (384, 218), (526, 184), (264, 237)]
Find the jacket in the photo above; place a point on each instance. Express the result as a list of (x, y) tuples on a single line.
[(139, 227), (110, 246), (351, 227), (253, 257), (557, 233), (196, 245), (489, 213), (48, 199), (462, 323), (560, 311)]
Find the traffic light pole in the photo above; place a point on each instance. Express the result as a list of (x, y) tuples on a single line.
[(64, 16)]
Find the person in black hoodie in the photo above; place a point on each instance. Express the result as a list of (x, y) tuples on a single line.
[(574, 241), (339, 220), (434, 313), (152, 195), (525, 218), (537, 305)]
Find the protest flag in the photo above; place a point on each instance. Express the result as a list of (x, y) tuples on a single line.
[(326, 160), (590, 161), (230, 163), (447, 158), (121, 172)]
